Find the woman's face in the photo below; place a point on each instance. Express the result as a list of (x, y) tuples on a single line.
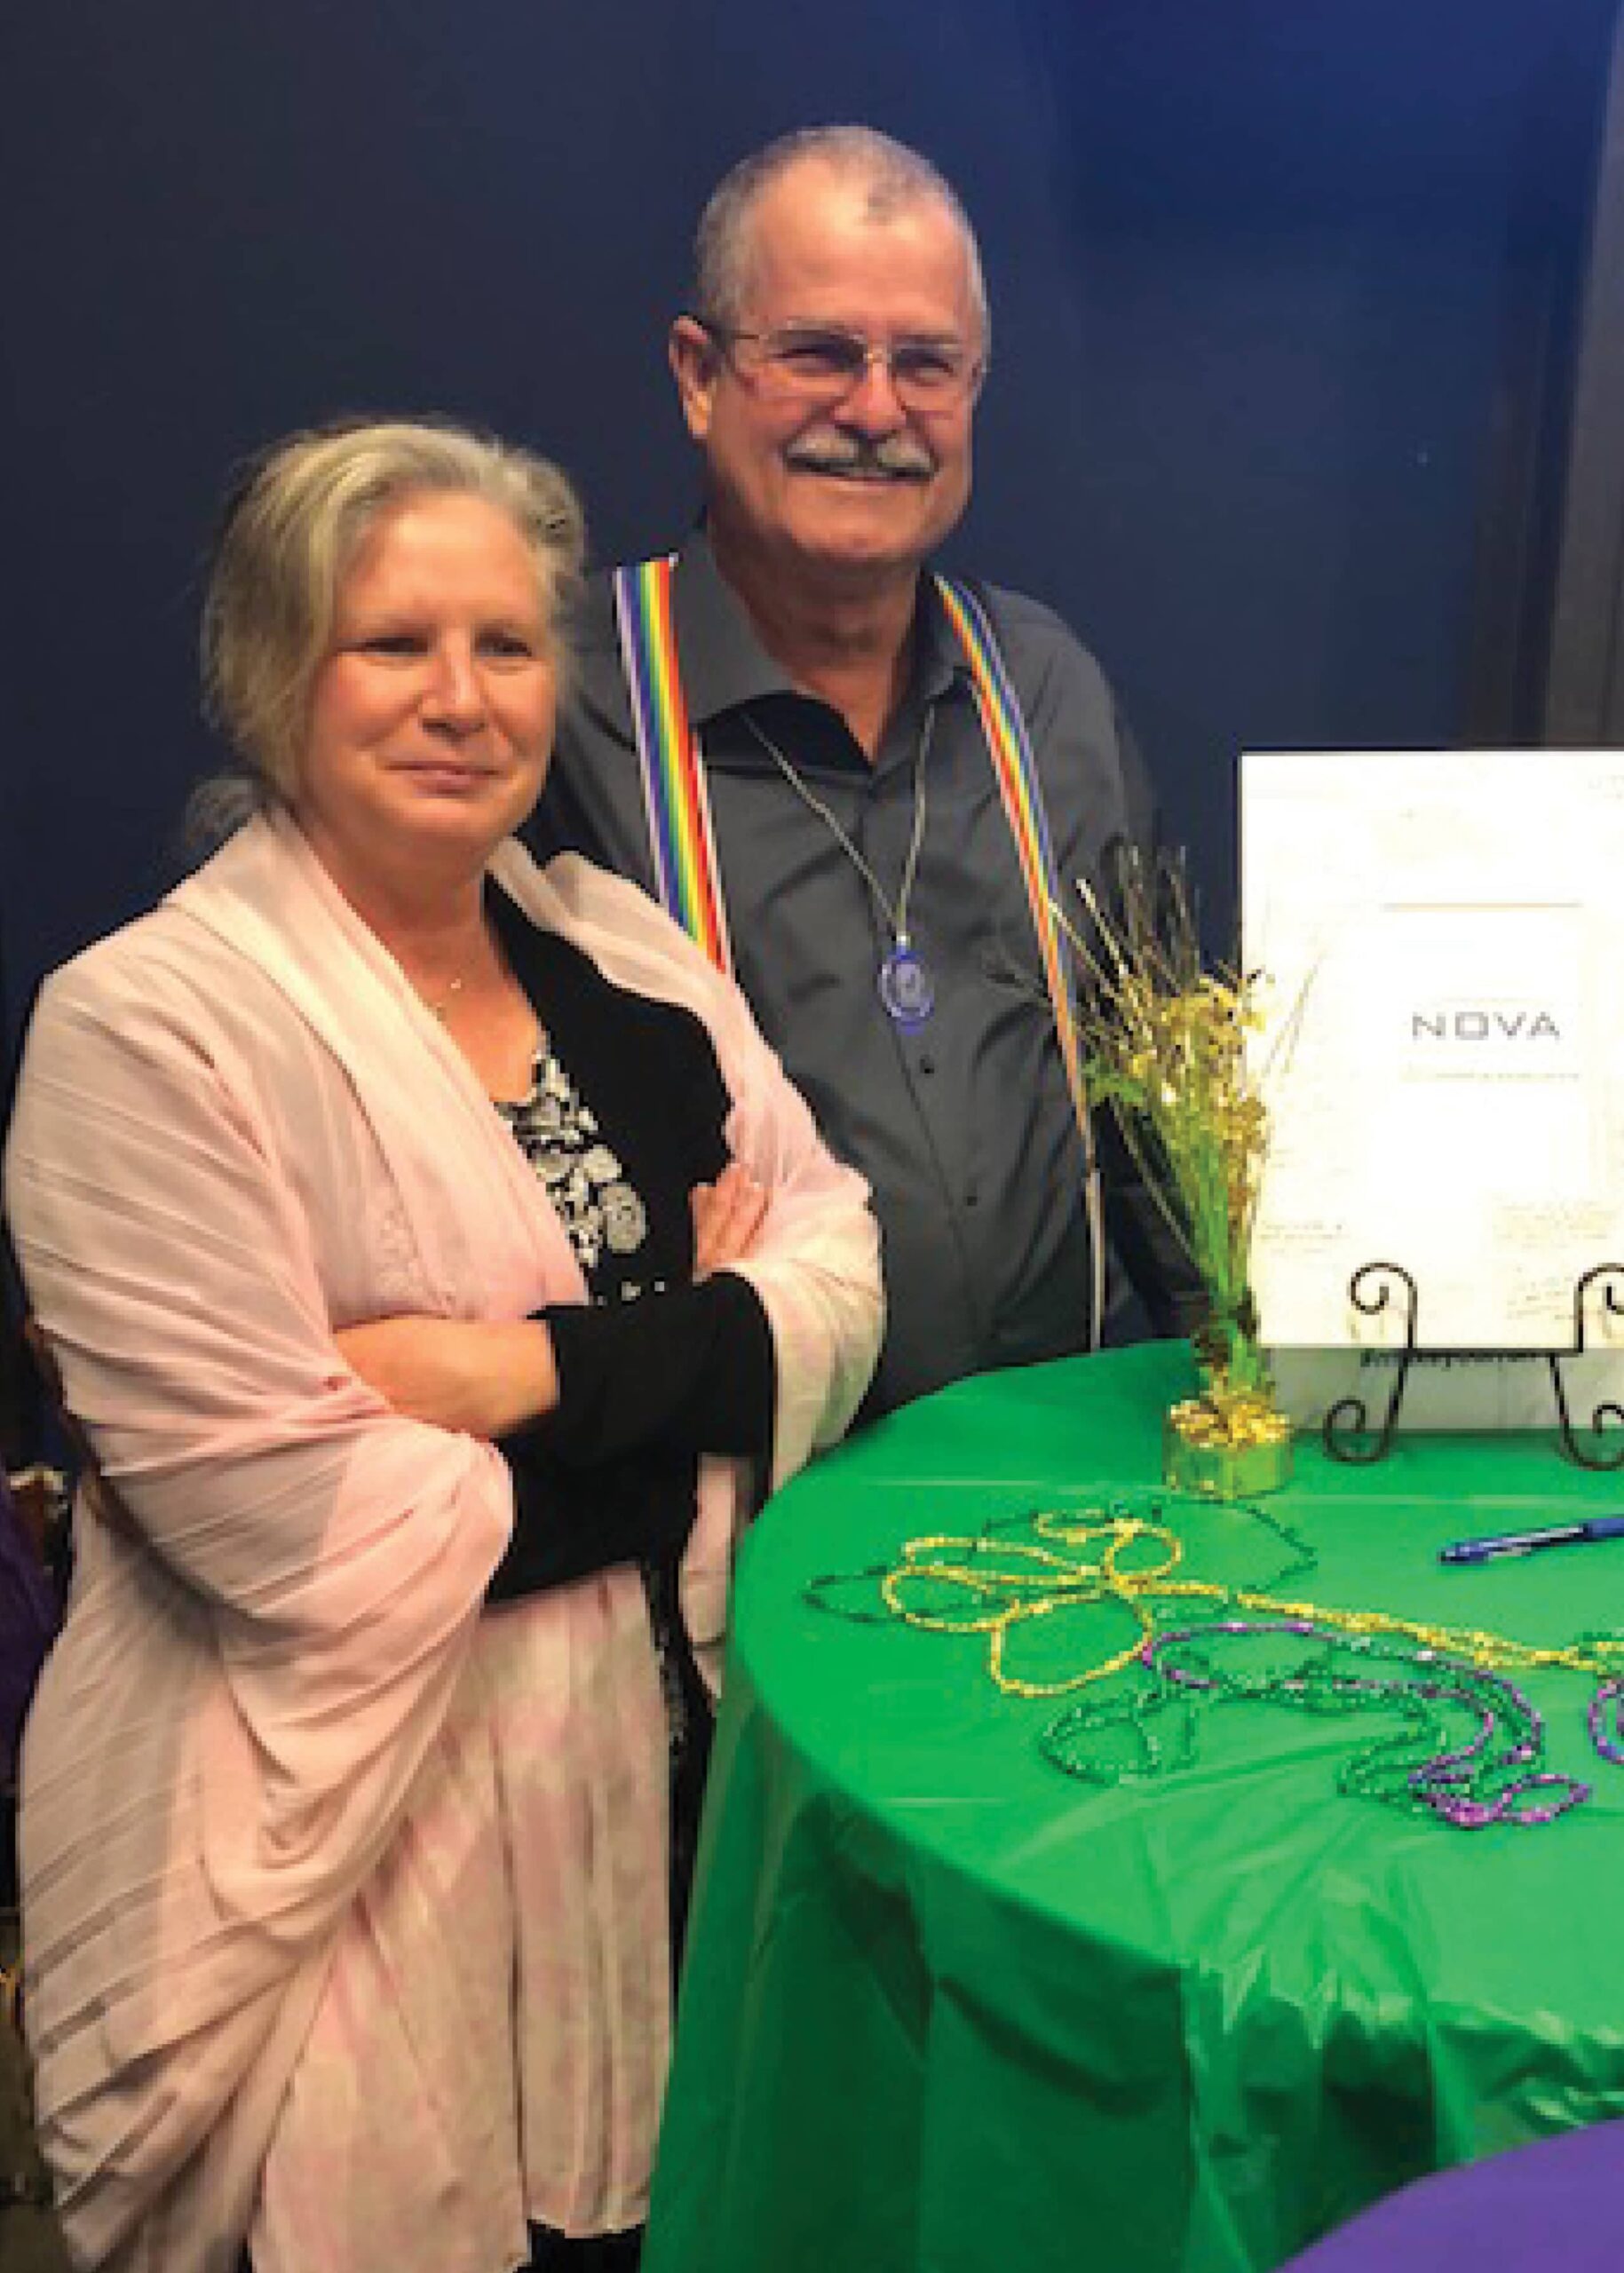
[(432, 713)]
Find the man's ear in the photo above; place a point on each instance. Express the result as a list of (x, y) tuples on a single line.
[(697, 365)]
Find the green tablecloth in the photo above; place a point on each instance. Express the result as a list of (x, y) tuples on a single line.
[(947, 2010)]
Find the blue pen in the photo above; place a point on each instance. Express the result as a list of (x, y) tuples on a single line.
[(1524, 1542)]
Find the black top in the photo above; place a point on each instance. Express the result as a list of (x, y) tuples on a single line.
[(627, 1117)]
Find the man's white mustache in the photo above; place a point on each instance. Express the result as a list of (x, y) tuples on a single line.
[(895, 456)]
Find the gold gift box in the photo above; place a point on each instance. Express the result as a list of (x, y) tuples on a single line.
[(1238, 1450)]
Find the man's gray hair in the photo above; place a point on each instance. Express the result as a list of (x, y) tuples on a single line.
[(894, 176)]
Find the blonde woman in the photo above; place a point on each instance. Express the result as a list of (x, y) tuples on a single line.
[(438, 1262)]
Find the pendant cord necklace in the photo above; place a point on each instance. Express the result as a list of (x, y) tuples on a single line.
[(905, 985)]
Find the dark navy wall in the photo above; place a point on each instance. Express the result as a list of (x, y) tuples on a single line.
[(1250, 262)]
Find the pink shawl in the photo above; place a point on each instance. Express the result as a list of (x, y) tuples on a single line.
[(295, 1817)]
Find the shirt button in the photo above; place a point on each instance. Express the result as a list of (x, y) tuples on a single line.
[(971, 1197), (927, 1065)]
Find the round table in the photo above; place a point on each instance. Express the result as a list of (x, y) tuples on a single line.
[(949, 2010)]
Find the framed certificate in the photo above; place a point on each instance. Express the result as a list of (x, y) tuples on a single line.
[(1441, 940)]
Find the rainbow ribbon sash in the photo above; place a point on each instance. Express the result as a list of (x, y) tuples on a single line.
[(675, 799), (1015, 768), (683, 844)]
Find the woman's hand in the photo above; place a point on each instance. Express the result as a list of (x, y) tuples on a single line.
[(727, 1214), (476, 1377)]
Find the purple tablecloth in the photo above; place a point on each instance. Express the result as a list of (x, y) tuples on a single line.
[(1557, 2206)]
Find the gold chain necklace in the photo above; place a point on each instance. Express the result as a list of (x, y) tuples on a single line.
[(439, 1006)]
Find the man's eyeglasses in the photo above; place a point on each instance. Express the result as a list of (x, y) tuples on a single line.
[(822, 363)]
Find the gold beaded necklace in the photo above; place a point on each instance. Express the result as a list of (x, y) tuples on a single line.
[(1037, 1578)]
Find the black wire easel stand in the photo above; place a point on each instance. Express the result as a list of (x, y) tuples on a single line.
[(1347, 1431)]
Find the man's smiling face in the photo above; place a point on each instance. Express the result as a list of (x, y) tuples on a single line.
[(852, 493)]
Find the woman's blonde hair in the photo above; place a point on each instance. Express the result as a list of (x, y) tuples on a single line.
[(291, 529)]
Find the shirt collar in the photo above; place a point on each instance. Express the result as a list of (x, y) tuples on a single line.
[(725, 666)]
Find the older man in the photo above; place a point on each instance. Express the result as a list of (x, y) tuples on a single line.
[(864, 785)]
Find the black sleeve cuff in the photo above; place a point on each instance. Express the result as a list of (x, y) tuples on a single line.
[(567, 1525), (690, 1371), (644, 1388)]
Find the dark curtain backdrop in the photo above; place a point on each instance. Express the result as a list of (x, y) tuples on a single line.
[(1260, 270)]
